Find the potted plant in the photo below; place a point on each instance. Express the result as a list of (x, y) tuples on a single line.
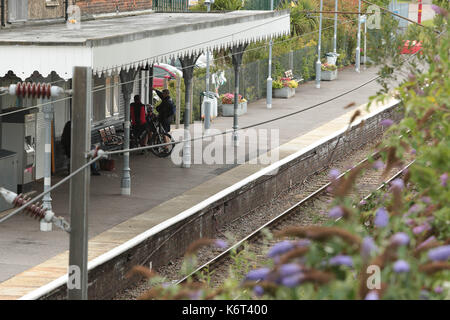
[(329, 72), (227, 100), (284, 88)]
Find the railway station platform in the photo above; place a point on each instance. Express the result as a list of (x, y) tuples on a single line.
[(161, 190)]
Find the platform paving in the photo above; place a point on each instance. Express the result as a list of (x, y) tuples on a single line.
[(161, 189)]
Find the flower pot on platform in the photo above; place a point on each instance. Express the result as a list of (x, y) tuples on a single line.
[(328, 75), (228, 109), (284, 93)]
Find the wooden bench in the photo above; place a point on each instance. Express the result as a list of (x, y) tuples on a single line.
[(289, 74), (109, 139)]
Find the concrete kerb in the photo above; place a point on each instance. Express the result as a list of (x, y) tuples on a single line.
[(201, 208)]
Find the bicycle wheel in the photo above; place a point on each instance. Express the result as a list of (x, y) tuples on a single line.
[(161, 138)]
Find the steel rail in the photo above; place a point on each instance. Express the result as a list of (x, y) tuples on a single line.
[(255, 234)]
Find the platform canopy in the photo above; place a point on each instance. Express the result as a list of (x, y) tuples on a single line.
[(111, 45)]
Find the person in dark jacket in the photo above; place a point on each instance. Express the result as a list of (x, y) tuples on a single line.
[(66, 141), (166, 108), (138, 120)]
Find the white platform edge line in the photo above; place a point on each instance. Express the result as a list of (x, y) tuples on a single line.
[(36, 294)]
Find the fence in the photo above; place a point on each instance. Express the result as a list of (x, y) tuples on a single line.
[(261, 4), (253, 75), (170, 5)]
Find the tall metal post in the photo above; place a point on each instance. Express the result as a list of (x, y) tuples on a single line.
[(335, 26), (207, 111), (319, 44), (79, 184), (188, 73), (419, 11), (47, 200), (358, 41), (126, 78), (237, 52), (365, 44), (269, 78)]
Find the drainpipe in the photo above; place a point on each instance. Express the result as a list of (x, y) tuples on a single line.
[(66, 6), (2, 13)]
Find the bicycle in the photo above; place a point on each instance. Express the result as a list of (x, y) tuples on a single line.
[(158, 135)]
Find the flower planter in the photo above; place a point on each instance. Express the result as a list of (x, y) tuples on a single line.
[(228, 109), (284, 92), (328, 75)]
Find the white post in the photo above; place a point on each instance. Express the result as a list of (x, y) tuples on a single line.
[(335, 26), (269, 78), (47, 200), (365, 44), (318, 63), (358, 41)]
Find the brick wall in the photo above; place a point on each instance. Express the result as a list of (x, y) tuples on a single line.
[(89, 7)]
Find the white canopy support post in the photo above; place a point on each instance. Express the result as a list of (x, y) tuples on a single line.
[(188, 63), (237, 52)]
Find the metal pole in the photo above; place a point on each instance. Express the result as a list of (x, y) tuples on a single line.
[(335, 26), (207, 110), (186, 163), (125, 183), (269, 78), (47, 200), (177, 116), (318, 63), (419, 12), (365, 44), (236, 103), (79, 185), (358, 41)]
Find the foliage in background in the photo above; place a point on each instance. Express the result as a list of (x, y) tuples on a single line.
[(402, 233)]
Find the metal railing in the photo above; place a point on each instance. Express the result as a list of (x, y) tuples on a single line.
[(170, 5)]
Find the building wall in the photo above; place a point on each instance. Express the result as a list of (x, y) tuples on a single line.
[(45, 9), (89, 7)]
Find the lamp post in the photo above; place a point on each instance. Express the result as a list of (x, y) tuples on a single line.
[(335, 26), (269, 78), (318, 63), (358, 41), (207, 102)]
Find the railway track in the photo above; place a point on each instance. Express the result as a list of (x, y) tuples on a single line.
[(317, 199)]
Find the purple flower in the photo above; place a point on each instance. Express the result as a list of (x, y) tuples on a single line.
[(398, 184), (372, 295), (221, 244), (401, 266), (414, 209), (411, 77), (362, 202), (257, 274), (196, 295), (439, 10), (437, 58), (409, 222), (413, 151), (289, 269), (280, 248), (424, 295), (336, 212), (430, 239), (438, 289), (400, 238), (334, 174), (419, 91), (303, 243), (377, 165), (341, 260), (368, 247), (441, 253), (386, 122), (381, 218), (258, 290), (444, 178), (293, 280), (425, 199), (423, 227)]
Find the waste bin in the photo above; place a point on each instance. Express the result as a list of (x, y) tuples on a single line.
[(332, 57), (8, 174)]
